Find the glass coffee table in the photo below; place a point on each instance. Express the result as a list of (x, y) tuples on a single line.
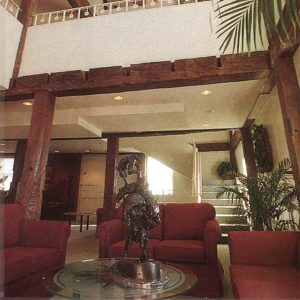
[(90, 279)]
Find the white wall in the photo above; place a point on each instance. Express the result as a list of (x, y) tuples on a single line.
[(158, 34), (10, 33)]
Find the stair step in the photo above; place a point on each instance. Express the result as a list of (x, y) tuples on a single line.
[(225, 228), (220, 202), (225, 209), (231, 219)]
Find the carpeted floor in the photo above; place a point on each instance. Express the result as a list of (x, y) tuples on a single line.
[(84, 245)]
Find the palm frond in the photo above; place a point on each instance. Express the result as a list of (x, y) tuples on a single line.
[(242, 22)]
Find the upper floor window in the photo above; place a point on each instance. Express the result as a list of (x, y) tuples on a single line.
[(160, 177)]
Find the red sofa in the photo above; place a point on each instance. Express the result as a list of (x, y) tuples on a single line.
[(29, 249), (188, 235), (265, 265)]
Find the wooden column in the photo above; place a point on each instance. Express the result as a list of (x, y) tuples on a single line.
[(18, 167), (29, 193), (26, 7), (232, 151), (289, 95), (110, 177), (248, 151)]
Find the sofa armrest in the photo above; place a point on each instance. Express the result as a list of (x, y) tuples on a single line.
[(212, 236), (52, 234), (108, 233), (264, 248)]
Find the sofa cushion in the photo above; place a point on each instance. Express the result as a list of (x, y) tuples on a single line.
[(16, 264), (186, 221), (180, 251), (117, 250), (265, 282), (22, 261), (271, 248), (11, 218)]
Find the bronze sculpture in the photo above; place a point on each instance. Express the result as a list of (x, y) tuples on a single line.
[(140, 209)]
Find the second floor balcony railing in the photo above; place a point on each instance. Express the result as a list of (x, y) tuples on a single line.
[(104, 9), (11, 7)]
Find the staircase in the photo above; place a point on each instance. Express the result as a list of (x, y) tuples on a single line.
[(224, 208)]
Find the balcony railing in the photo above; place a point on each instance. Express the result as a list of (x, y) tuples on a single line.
[(104, 9), (11, 7)]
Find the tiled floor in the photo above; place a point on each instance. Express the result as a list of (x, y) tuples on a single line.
[(84, 245)]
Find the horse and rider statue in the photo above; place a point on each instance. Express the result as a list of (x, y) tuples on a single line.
[(140, 209)]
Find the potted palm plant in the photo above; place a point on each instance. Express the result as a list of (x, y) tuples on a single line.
[(226, 170), (268, 200)]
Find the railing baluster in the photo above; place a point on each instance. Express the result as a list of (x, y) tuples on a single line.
[(161, 3), (126, 4), (95, 10), (110, 8), (17, 12), (64, 16), (49, 16), (6, 4), (35, 20), (79, 10)]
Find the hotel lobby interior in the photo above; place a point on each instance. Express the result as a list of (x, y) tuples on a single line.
[(149, 149)]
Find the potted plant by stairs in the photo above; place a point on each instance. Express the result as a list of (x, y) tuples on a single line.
[(226, 170), (268, 200)]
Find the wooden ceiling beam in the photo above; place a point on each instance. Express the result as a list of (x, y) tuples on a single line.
[(235, 139), (186, 72), (79, 3), (207, 147)]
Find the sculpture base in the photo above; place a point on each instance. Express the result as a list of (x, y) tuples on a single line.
[(134, 274)]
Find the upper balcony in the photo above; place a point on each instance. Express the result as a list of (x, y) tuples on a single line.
[(118, 33)]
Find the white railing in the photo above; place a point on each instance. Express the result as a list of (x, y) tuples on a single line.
[(11, 7), (104, 9)]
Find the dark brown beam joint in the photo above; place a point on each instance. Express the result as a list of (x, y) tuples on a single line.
[(213, 147)]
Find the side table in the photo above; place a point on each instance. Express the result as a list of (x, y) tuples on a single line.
[(71, 214)]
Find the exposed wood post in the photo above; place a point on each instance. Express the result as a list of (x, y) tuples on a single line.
[(232, 150), (110, 177), (18, 167), (29, 193), (26, 7), (249, 151), (289, 96)]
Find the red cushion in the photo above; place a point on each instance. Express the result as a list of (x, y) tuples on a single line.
[(117, 250), (16, 264), (264, 282), (186, 221), (266, 248), (157, 232), (180, 251), (13, 215)]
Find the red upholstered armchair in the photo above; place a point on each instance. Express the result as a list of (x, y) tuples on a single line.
[(188, 235), (265, 264), (29, 249)]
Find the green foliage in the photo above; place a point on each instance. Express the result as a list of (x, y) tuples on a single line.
[(226, 170), (243, 21), (268, 200)]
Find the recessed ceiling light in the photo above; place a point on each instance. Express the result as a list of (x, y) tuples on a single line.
[(56, 151), (27, 103), (206, 92), (87, 151), (206, 125), (2, 144), (118, 98)]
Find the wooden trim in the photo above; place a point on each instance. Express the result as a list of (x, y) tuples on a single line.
[(186, 72), (110, 185), (249, 152), (79, 3), (207, 147), (26, 7), (235, 139)]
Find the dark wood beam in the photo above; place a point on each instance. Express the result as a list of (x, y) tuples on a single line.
[(110, 185), (249, 151), (289, 96), (29, 193), (235, 139), (26, 9), (207, 147), (186, 72), (19, 158), (79, 3)]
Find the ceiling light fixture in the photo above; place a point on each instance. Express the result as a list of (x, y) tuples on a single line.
[(118, 98), (2, 144), (206, 125), (27, 103), (206, 92), (87, 151), (56, 151)]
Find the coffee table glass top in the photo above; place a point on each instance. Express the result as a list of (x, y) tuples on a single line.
[(90, 279)]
